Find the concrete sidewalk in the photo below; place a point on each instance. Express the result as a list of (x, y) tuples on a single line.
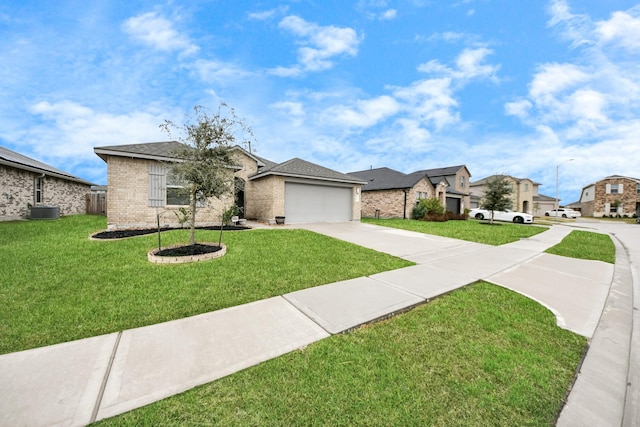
[(79, 382)]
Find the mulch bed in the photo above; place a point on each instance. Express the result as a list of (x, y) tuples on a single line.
[(122, 234), (187, 250)]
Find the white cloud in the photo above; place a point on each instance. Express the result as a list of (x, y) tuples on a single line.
[(552, 79), (470, 64), (365, 113), (389, 14), (289, 108), (622, 29), (519, 108), (575, 27), (69, 130), (430, 100), (218, 72), (320, 44), (268, 14), (159, 33)]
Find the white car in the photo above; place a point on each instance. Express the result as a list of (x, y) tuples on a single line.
[(507, 215), (563, 213)]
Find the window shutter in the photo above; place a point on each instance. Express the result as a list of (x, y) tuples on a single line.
[(607, 208), (156, 185), (608, 190), (620, 189)]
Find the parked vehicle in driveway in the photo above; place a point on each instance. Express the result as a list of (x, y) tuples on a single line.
[(507, 215), (563, 213)]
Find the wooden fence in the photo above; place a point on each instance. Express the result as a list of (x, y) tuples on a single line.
[(97, 204)]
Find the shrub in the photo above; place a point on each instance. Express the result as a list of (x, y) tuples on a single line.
[(434, 206), (419, 210)]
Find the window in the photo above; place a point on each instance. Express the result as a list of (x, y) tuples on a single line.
[(37, 194), (638, 189), (176, 191), (614, 188), (462, 182), (526, 187)]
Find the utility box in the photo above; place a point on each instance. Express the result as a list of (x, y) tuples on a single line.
[(45, 212)]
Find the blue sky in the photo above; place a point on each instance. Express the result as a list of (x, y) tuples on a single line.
[(502, 86)]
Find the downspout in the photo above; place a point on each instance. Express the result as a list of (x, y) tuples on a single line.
[(404, 211)]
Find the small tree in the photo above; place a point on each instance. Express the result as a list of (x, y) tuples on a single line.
[(496, 196), (206, 164)]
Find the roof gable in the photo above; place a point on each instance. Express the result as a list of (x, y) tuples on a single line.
[(385, 179), (303, 169), (446, 171), (149, 150)]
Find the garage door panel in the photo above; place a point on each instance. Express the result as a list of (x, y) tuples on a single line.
[(317, 203)]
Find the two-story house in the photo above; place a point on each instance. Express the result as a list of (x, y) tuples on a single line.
[(613, 195), (524, 195)]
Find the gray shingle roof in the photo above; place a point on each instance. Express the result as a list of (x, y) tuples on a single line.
[(449, 170), (303, 169), (149, 150), (385, 179), (166, 151), (19, 161), (389, 179), (543, 198)]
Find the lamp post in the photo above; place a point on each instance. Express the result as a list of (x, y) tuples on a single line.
[(557, 170)]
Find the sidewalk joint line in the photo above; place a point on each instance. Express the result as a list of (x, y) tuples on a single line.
[(107, 374)]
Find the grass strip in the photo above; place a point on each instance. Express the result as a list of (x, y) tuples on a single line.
[(586, 245), (482, 355), (471, 230), (57, 285)]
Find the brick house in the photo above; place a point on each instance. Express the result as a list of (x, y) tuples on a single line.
[(612, 195), (524, 196), (140, 186), (392, 194), (25, 182), (458, 196)]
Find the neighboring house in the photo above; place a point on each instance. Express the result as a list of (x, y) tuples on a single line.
[(458, 196), (612, 195), (392, 194), (140, 186), (524, 195), (542, 203), (25, 182), (576, 206)]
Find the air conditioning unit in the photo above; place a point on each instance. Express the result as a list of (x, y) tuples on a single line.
[(45, 212)]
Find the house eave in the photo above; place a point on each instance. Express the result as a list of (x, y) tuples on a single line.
[(103, 154), (300, 176), (44, 172)]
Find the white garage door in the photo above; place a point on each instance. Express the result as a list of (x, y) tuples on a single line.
[(316, 203)]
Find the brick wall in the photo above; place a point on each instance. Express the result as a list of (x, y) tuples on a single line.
[(629, 197), (391, 203), (265, 198), (17, 193), (128, 199)]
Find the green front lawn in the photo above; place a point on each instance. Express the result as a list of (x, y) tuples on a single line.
[(482, 355), (56, 285), (498, 233), (586, 245)]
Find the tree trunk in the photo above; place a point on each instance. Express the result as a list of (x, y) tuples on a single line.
[(192, 237)]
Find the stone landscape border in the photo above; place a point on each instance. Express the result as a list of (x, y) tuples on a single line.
[(152, 257)]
